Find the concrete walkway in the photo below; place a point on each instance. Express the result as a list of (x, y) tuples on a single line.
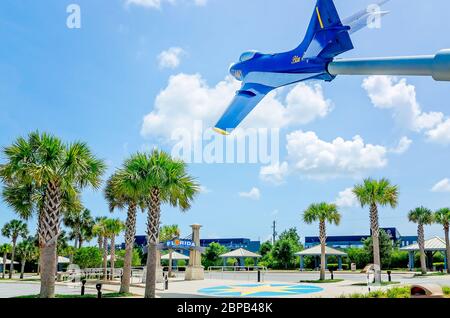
[(190, 289)]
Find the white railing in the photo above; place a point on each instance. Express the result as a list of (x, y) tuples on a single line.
[(249, 273), (90, 273)]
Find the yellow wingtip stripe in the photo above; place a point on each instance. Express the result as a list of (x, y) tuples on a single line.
[(221, 131), (320, 18)]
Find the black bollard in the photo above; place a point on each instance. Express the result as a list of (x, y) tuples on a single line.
[(83, 282), (166, 281), (99, 290), (389, 276), (259, 276)]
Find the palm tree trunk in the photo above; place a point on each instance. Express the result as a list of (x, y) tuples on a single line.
[(153, 238), (100, 242), (113, 256), (4, 265), (48, 265), (80, 242), (375, 228), (48, 236), (129, 245), (447, 245), (170, 263), (421, 234), (13, 251), (22, 268), (323, 242), (105, 257)]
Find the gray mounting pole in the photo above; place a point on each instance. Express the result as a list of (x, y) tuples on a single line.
[(437, 66)]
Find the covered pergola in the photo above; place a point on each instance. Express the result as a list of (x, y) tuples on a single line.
[(8, 263), (316, 253), (433, 245), (240, 254), (175, 258)]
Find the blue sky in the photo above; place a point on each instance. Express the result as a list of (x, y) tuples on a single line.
[(98, 83)]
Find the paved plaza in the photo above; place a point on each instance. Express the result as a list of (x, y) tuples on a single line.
[(237, 284)]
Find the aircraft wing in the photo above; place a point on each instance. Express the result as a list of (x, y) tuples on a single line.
[(358, 21), (243, 103)]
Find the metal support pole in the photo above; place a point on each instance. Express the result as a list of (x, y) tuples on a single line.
[(259, 276), (83, 282), (166, 281), (436, 66), (99, 290)]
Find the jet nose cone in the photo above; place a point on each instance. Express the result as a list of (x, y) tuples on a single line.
[(232, 67), (236, 72)]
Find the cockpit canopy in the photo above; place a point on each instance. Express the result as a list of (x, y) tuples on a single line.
[(249, 55)]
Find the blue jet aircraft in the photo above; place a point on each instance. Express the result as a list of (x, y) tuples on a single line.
[(314, 59)]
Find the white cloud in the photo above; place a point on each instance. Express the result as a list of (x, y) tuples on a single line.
[(316, 158), (346, 199), (306, 103), (188, 98), (441, 133), (253, 194), (171, 58), (390, 93), (402, 146), (442, 186), (156, 4), (275, 173), (204, 190)]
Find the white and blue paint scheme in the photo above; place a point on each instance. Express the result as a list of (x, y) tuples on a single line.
[(314, 59)]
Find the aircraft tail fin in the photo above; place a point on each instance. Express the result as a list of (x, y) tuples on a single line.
[(326, 35)]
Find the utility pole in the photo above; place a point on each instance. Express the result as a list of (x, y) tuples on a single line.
[(274, 232)]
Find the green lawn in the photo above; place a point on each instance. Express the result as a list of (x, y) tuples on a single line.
[(326, 281), (395, 292), (88, 296)]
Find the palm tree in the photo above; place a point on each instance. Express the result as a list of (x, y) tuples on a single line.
[(322, 213), (131, 199), (13, 230), (56, 171), (28, 199), (163, 180), (113, 227), (101, 232), (27, 251), (169, 233), (421, 216), (81, 223), (373, 193), (442, 217), (97, 230), (5, 249)]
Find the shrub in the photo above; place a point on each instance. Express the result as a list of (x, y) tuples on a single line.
[(399, 292), (88, 257), (399, 259), (335, 267), (358, 256), (377, 294), (135, 260), (439, 266), (446, 290)]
